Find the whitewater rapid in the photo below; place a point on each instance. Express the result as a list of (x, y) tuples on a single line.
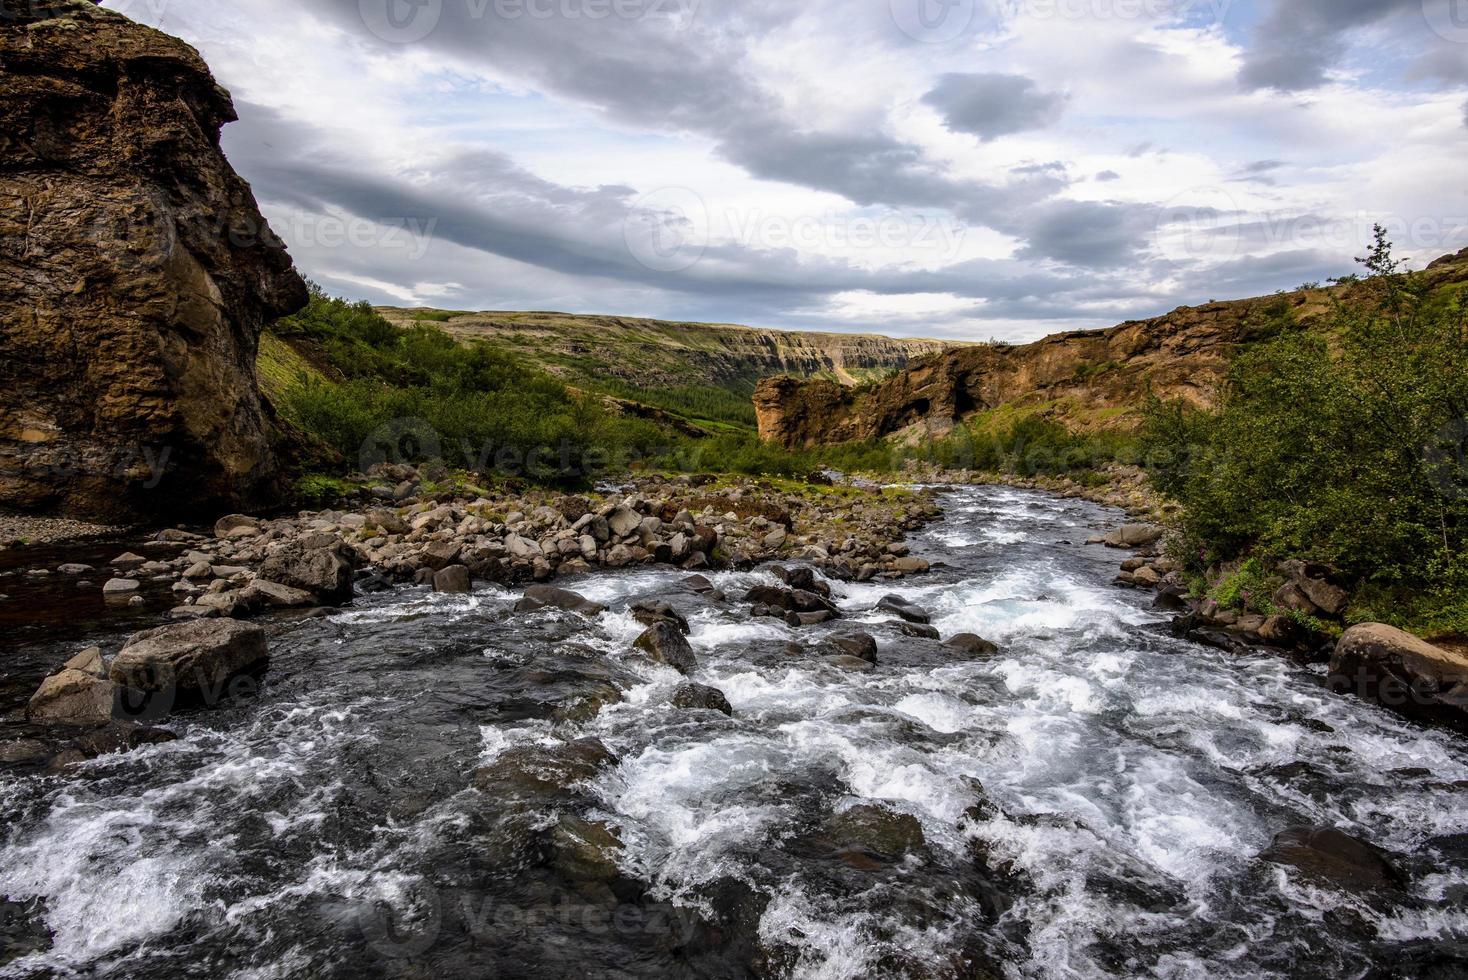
[(1091, 800)]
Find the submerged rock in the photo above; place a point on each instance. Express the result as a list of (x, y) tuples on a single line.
[(543, 596), (1335, 858)]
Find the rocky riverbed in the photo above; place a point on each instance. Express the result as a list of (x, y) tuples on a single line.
[(1007, 766)]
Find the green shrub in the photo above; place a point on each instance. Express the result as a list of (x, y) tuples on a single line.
[(1341, 445)]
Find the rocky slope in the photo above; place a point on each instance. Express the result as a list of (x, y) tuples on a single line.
[(137, 274), (658, 353), (1089, 379)]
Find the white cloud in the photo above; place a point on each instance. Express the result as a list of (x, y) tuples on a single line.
[(829, 191)]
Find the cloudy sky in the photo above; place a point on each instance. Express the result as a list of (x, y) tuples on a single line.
[(955, 168)]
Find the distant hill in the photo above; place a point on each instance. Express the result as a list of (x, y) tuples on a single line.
[(704, 371)]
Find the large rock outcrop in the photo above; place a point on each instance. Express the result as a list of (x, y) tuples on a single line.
[(136, 273), (1089, 379)]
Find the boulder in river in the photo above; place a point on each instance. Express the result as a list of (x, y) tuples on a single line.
[(544, 770), (547, 596), (197, 657), (690, 695), (1335, 858), (454, 579), (322, 568), (1402, 672), (78, 694), (901, 607), (663, 643), (869, 835), (650, 611), (861, 645), (969, 645)]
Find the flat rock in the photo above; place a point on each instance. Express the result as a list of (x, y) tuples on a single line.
[(198, 656)]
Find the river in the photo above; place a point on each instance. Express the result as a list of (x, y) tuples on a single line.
[(1088, 803)]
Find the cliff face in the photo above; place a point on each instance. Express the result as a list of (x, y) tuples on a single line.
[(137, 274), (1088, 379), (659, 353)]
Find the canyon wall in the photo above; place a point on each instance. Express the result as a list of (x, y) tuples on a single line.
[(136, 274)]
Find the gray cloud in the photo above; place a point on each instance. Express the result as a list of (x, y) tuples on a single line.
[(1089, 234), (1298, 41), (990, 105), (1108, 175)]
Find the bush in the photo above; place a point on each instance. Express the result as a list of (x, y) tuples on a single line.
[(1342, 445)]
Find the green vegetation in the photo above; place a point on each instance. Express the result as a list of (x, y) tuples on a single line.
[(412, 394), (1343, 446)]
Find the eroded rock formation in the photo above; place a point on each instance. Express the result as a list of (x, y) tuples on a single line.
[(1090, 379), (136, 274)]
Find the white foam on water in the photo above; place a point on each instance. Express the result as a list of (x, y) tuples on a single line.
[(452, 607)]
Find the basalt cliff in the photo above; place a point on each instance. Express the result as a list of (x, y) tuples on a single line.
[(136, 274), (1087, 379), (661, 353)]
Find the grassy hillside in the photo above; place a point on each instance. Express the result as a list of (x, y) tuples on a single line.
[(701, 371)]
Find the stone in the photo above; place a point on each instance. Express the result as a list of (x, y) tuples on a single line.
[(89, 661), (131, 317), (1402, 672), (623, 521), (970, 645), (194, 657), (230, 523), (920, 630), (665, 644), (74, 568), (910, 565), (874, 831), (75, 697), (583, 850), (199, 570), (324, 570), (648, 612), (543, 770), (543, 596), (120, 586), (441, 554), (454, 579), (266, 593), (862, 645), (1335, 858), (522, 548), (701, 696), (901, 607), (128, 558)]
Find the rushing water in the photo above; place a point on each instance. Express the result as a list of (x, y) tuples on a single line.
[(1091, 801)]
